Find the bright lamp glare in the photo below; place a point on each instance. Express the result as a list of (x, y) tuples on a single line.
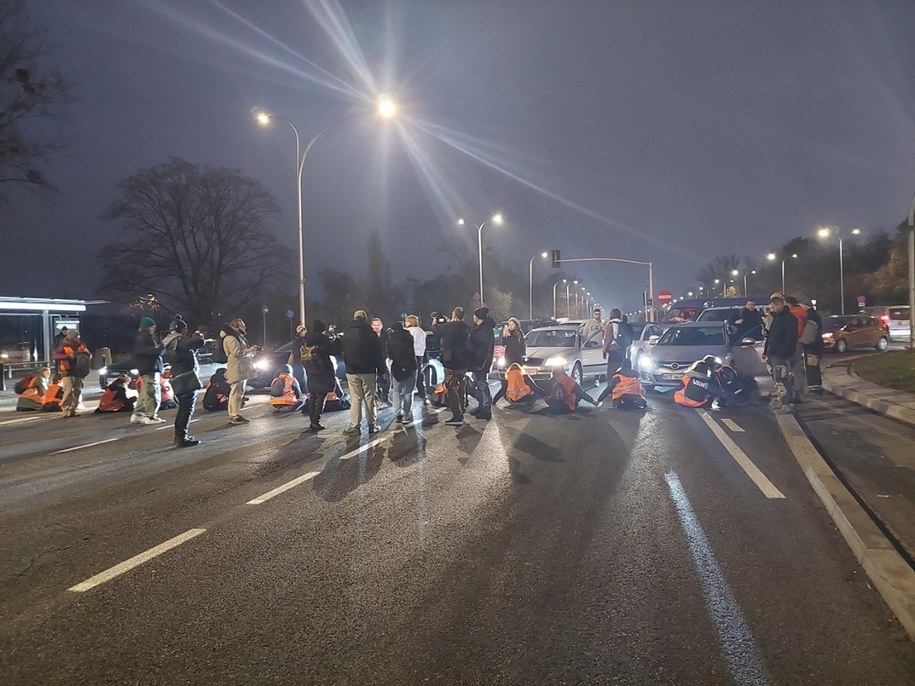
[(823, 233), (386, 107), (460, 221), (771, 256), (543, 255), (263, 118), (497, 219)]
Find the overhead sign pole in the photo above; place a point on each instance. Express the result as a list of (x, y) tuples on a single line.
[(649, 309)]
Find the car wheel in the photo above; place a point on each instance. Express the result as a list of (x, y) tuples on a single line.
[(841, 345), (576, 373), (882, 344)]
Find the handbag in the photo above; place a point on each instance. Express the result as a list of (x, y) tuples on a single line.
[(186, 382)]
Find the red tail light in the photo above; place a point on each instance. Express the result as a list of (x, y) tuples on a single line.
[(885, 317)]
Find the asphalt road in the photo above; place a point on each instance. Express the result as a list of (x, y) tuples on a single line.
[(605, 547)]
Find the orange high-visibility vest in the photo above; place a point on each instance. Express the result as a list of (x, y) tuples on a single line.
[(110, 402), (563, 388), (626, 385), (517, 387), (694, 392), (288, 397)]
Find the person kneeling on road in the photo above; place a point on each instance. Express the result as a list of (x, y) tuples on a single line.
[(285, 392), (565, 393), (115, 398), (624, 388), (701, 386)]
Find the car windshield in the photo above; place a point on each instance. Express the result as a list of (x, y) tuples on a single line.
[(835, 322), (552, 338), (693, 335), (637, 331), (899, 313)]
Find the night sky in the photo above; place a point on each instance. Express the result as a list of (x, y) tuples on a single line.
[(668, 131)]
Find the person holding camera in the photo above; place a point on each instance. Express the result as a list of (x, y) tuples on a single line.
[(240, 366), (181, 350)]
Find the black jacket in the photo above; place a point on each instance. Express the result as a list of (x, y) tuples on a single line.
[(455, 344), (148, 354), (320, 370), (782, 340), (750, 324), (182, 352), (362, 349), (514, 350), (482, 339), (400, 350)]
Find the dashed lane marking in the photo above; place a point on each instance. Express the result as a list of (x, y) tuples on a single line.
[(87, 445), (135, 561), (740, 457), (732, 425)]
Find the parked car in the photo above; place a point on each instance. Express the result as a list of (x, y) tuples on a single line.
[(665, 362), (896, 317), (642, 333), (844, 332), (552, 346)]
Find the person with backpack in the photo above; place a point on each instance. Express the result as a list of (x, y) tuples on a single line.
[(240, 365), (617, 339), (364, 360), (285, 392), (75, 364), (319, 368), (181, 350), (564, 393), (147, 352), (455, 336), (403, 370), (624, 388), (798, 369), (812, 342)]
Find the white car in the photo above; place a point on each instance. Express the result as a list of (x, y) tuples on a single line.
[(564, 346), (642, 335)]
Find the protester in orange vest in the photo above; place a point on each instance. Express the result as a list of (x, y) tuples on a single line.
[(565, 393), (72, 377), (519, 388), (40, 395), (699, 389), (115, 398), (285, 392), (624, 388)]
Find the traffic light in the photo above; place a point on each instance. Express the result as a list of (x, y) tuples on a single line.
[(556, 259)]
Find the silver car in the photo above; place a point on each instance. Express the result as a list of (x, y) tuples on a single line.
[(667, 360), (564, 346)]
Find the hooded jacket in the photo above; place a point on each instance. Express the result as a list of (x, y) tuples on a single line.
[(148, 354), (482, 340), (181, 349), (240, 363), (401, 352), (362, 349), (455, 343)]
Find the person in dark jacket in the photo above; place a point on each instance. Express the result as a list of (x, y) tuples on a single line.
[(482, 342), (814, 351), (216, 396), (383, 394), (515, 349), (147, 352), (455, 335), (748, 322), (115, 398), (403, 370), (182, 348), (781, 344), (319, 368), (364, 360)]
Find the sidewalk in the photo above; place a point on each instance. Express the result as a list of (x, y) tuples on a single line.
[(841, 380)]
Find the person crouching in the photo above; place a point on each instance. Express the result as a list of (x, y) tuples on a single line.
[(699, 388), (565, 393), (115, 398), (285, 392), (624, 388), (519, 388)]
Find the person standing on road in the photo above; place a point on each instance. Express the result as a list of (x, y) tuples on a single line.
[(748, 322), (515, 349), (614, 350), (455, 336), (182, 350), (383, 396), (593, 325), (781, 345), (798, 371), (71, 380), (322, 380), (364, 362), (147, 352), (403, 372), (482, 344), (240, 365), (813, 351), (295, 357), (419, 351)]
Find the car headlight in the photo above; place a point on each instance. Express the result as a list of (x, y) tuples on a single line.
[(646, 364), (135, 372), (501, 362), (557, 361), (261, 364), (827, 335), (103, 371), (719, 361)]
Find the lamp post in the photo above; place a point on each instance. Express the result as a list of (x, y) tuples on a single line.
[(264, 311), (772, 257), (495, 219), (568, 299), (386, 109), (912, 274), (554, 295), (826, 232), (530, 298), (581, 303)]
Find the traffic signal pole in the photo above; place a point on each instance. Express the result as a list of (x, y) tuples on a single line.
[(649, 308)]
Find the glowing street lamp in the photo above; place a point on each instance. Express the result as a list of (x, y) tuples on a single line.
[(530, 298), (772, 257), (554, 295), (569, 298), (495, 219), (386, 109), (826, 232)]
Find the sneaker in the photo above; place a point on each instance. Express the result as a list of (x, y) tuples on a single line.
[(374, 429), (455, 421), (399, 419), (351, 431), (136, 419), (188, 442), (484, 415), (317, 427), (238, 419), (715, 406), (147, 420), (158, 420)]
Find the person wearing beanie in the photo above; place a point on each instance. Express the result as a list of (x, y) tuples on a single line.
[(285, 392), (364, 362), (65, 355), (182, 349), (455, 335), (322, 380), (482, 344), (147, 352)]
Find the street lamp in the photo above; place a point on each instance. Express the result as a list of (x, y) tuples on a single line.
[(264, 311), (826, 232), (386, 108), (736, 272), (495, 219), (772, 257), (581, 303), (568, 299), (554, 295), (530, 298)]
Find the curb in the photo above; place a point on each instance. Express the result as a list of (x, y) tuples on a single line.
[(866, 398), (887, 570)]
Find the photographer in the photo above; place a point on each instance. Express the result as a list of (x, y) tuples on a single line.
[(181, 350), (240, 366)]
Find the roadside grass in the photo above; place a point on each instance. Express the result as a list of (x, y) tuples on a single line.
[(894, 369)]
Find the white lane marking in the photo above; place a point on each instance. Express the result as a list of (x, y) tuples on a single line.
[(739, 649), (87, 445), (740, 457), (170, 426), (135, 561), (22, 420), (732, 425)]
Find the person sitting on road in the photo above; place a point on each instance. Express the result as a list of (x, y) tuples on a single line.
[(40, 394), (115, 398), (520, 389), (564, 393), (624, 388), (285, 392), (700, 387), (217, 394)]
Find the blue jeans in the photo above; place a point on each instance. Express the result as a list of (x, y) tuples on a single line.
[(483, 394), (402, 395)]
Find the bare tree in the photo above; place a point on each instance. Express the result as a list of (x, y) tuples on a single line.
[(198, 238), (28, 92)]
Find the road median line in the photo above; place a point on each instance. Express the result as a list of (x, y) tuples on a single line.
[(740, 457)]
